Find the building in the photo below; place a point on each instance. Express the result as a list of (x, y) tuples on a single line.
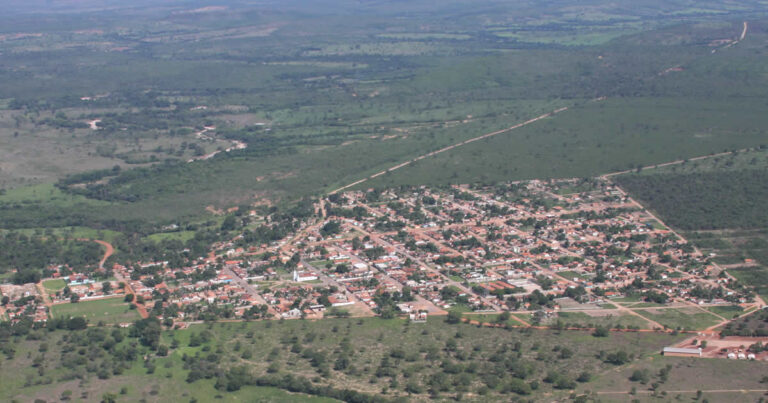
[(418, 317), (681, 352), (304, 276)]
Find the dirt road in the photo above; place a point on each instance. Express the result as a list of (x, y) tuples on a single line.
[(110, 250), (647, 392)]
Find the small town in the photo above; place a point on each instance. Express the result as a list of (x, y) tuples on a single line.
[(574, 253)]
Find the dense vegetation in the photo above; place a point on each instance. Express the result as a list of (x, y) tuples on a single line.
[(31, 256), (702, 201), (755, 325)]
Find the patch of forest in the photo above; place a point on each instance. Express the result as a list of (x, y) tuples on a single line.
[(31, 256), (704, 201)]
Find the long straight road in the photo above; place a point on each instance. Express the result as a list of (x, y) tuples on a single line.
[(451, 147)]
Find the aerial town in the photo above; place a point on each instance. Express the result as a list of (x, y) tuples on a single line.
[(529, 250)]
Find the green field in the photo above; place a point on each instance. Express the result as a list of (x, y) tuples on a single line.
[(726, 311), (108, 310), (54, 285), (180, 235), (683, 318), (582, 319)]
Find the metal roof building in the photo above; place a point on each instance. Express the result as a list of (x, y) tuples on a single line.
[(681, 352)]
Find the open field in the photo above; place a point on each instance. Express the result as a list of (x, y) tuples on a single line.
[(180, 235), (54, 285), (726, 311), (731, 378), (683, 318), (108, 310), (609, 320)]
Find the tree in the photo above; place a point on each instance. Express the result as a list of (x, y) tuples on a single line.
[(639, 375), (503, 317), (453, 317), (617, 358), (148, 331), (106, 287), (330, 228), (76, 323), (517, 386), (584, 377), (600, 331)]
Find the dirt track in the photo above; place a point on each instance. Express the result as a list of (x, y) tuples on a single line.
[(110, 250)]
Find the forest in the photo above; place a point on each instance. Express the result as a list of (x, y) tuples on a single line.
[(704, 201)]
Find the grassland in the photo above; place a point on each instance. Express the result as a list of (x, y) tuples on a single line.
[(108, 310), (686, 377), (726, 311), (180, 235), (683, 318), (611, 320)]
